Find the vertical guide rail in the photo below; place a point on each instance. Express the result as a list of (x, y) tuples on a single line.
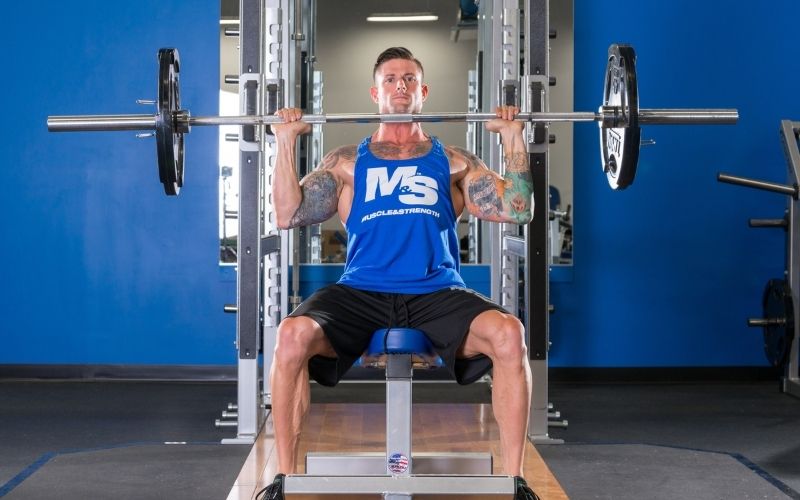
[(293, 39), (509, 95), (313, 95), (789, 137), (315, 157), (473, 223), (491, 43), (537, 260), (248, 317), (273, 269)]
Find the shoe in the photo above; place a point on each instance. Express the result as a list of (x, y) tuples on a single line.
[(274, 491), (522, 491)]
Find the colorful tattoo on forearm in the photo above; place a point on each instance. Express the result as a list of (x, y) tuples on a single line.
[(518, 187)]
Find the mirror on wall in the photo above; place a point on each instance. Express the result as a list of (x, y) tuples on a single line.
[(560, 153), (346, 45)]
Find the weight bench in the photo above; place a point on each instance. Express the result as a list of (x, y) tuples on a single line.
[(398, 474)]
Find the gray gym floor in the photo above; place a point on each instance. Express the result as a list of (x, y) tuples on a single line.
[(120, 440), (97, 440), (680, 440)]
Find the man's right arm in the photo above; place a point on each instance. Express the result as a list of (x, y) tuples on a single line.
[(315, 198)]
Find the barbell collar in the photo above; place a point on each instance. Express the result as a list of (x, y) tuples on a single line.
[(182, 119), (611, 117)]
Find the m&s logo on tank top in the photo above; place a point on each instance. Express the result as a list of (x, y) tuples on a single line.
[(413, 189)]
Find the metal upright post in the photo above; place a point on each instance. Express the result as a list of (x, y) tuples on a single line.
[(473, 145), (248, 289), (490, 41), (261, 265), (314, 158), (537, 270), (789, 136), (508, 94), (499, 45), (274, 269), (285, 35), (294, 37)]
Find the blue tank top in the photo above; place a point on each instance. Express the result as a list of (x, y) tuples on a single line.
[(401, 231)]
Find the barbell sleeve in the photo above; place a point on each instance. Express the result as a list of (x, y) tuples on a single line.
[(755, 322), (100, 123), (688, 116)]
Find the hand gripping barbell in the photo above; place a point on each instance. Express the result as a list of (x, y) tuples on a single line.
[(619, 118)]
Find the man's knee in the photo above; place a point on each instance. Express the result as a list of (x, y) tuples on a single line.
[(508, 341), (295, 340)]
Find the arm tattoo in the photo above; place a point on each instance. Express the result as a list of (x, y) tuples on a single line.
[(516, 162), (320, 190), (344, 153), (484, 198), (472, 159), (320, 199), (506, 201), (518, 187), (517, 195)]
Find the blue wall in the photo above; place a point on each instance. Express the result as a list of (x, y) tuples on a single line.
[(101, 267), (667, 271)]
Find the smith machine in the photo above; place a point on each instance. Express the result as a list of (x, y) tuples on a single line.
[(276, 45), (781, 321)]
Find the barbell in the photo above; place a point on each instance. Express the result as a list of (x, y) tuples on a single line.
[(619, 118)]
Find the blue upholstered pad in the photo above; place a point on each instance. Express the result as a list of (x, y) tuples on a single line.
[(402, 341)]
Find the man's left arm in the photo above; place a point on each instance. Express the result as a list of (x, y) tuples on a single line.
[(509, 198)]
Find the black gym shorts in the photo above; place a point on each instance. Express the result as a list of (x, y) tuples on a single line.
[(349, 317)]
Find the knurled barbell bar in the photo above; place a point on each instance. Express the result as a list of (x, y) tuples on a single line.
[(96, 123), (619, 118)]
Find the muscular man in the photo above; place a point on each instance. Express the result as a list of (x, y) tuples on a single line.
[(399, 194)]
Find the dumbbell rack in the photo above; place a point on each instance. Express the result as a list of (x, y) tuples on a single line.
[(790, 321)]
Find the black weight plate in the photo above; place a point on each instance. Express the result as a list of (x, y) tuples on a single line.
[(168, 137), (778, 335), (619, 145)]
